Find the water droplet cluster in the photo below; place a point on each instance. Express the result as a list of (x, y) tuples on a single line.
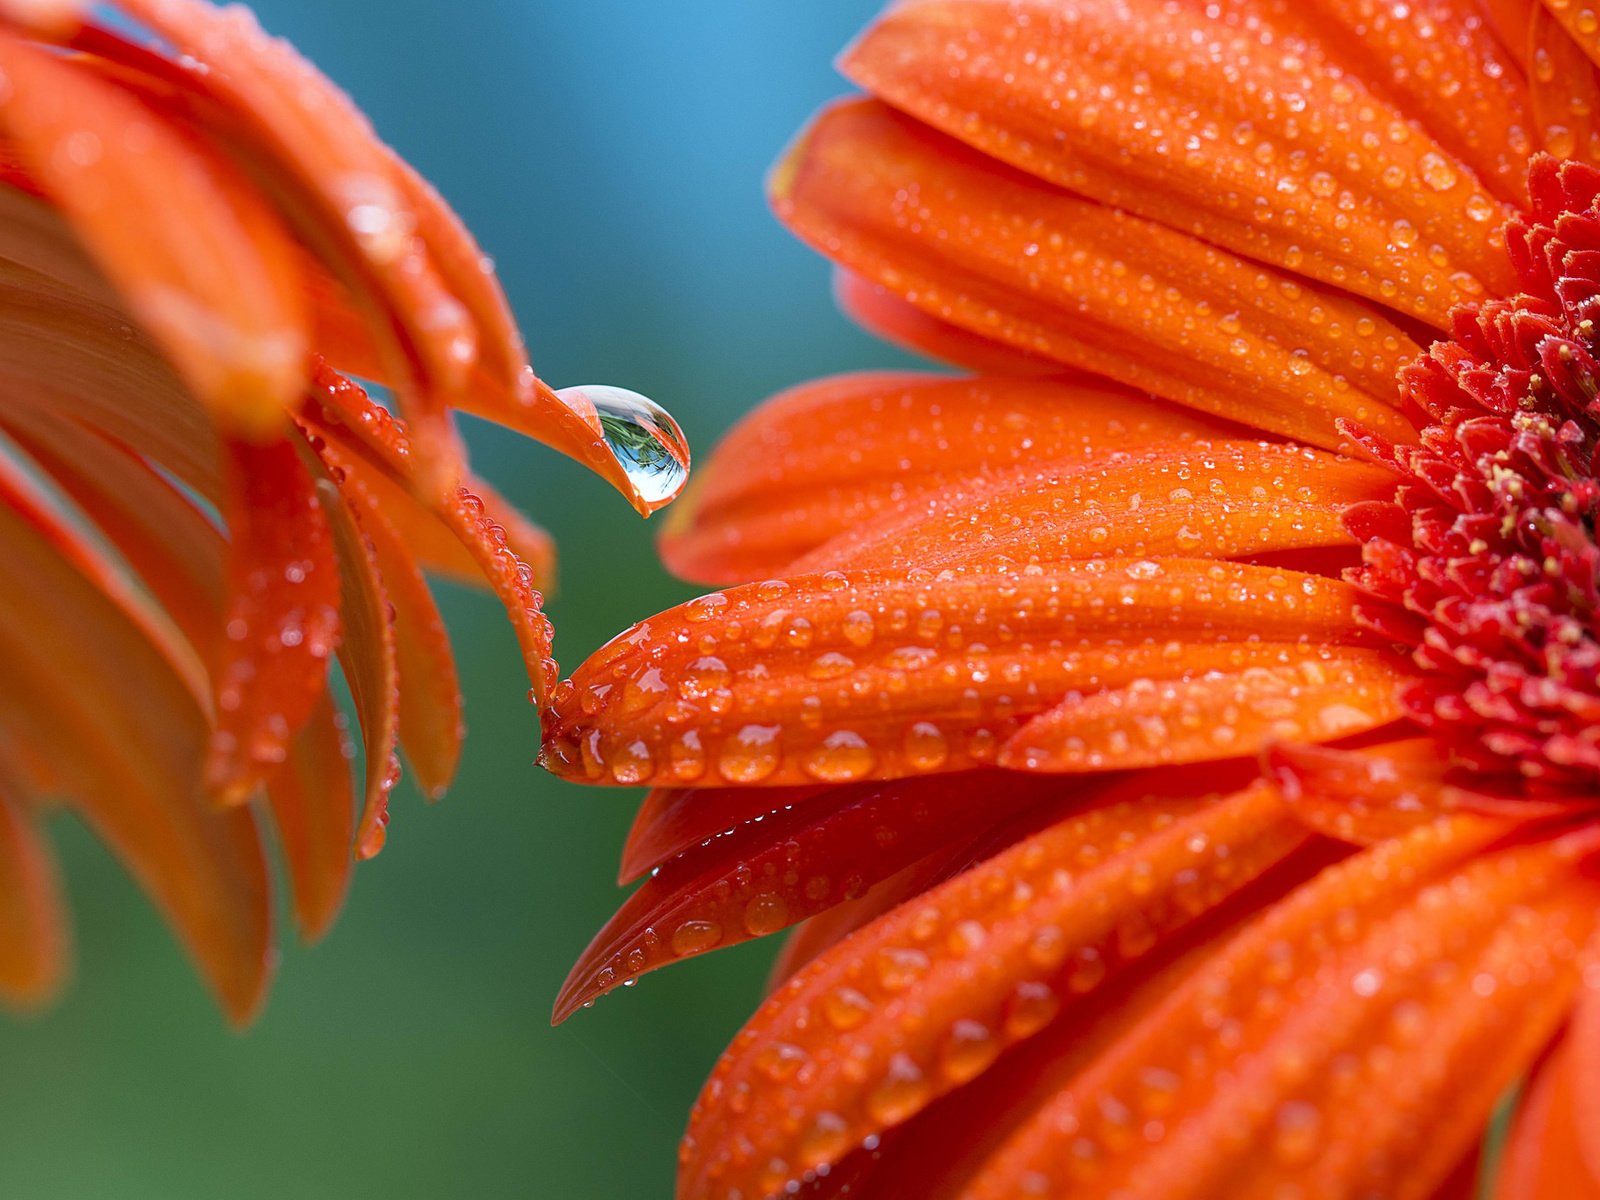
[(1403, 972), (838, 677), (950, 980), (950, 232), (281, 623), (1246, 122), (838, 453), (783, 866), (1223, 499), (345, 415)]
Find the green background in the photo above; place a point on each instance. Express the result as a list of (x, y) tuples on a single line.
[(609, 154)]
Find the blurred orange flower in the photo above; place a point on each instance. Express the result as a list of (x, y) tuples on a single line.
[(1178, 743), (198, 511)]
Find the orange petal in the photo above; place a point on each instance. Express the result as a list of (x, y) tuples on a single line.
[(877, 309), (70, 642), (1256, 498), (834, 678), (672, 820), (282, 617), (825, 457), (431, 727), (826, 930), (927, 997), (1580, 26), (766, 875), (530, 407), (310, 799), (46, 16), (1427, 981), (305, 139), (343, 416), (370, 664), (935, 1154), (179, 556), (983, 247), (33, 936), (1378, 792), (69, 348), (1257, 130), (1466, 89), (380, 465), (176, 551), (437, 323), (1583, 1036), (1314, 697), (179, 241), (1509, 21), (1566, 94), (1543, 1157), (531, 543)]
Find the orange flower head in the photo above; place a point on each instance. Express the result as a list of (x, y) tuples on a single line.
[(1176, 743), (198, 232)]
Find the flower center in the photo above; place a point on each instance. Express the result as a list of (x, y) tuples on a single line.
[(1486, 563)]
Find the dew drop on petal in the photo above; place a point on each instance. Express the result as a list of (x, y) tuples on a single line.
[(779, 1061), (641, 435), (843, 756), (925, 747), (1033, 1006), (766, 913), (827, 1140), (750, 755), (695, 937), (903, 1090), (1296, 1132), (968, 1051), (845, 1008)]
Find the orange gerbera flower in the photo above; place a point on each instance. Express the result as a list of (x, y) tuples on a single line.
[(1181, 741), (197, 511)]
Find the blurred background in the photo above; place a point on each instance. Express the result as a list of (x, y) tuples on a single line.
[(609, 155)]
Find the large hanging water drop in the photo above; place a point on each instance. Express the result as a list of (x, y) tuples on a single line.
[(641, 435)]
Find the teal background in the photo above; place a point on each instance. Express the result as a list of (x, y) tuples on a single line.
[(609, 154)]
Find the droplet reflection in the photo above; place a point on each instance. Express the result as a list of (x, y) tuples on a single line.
[(643, 437)]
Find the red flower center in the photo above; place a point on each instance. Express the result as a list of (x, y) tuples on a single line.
[(1486, 562)]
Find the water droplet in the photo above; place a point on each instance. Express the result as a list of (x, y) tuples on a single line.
[(695, 937), (750, 755), (632, 763), (1296, 1132), (925, 747), (766, 913), (831, 665), (968, 1051), (857, 628), (1088, 969), (702, 677), (779, 1061), (903, 1091), (1437, 172), (642, 436), (899, 968), (1033, 1006), (843, 756), (846, 1008), (702, 608), (827, 1140), (687, 756)]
